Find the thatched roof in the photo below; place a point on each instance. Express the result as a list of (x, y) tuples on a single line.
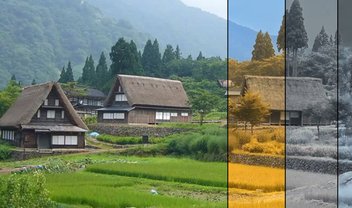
[(30, 100), (301, 92), (149, 91)]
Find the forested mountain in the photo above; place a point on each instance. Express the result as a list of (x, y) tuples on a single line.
[(172, 22), (38, 37)]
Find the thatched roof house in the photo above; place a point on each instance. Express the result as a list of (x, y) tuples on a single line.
[(138, 99), (293, 94), (43, 117)]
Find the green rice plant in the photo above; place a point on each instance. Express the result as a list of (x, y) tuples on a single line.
[(169, 169)]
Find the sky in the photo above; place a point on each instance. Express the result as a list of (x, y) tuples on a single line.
[(258, 14), (217, 7)]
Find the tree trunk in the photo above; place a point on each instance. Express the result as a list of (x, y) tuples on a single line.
[(201, 118), (252, 129)]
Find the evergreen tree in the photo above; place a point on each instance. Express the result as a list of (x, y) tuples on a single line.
[(321, 40), (63, 78), (91, 72), (168, 55), (189, 57), (69, 73), (136, 55), (85, 73), (258, 52), (331, 41), (280, 42), (296, 35), (268, 46), (177, 53), (200, 56), (151, 58), (33, 82), (13, 77), (124, 60), (102, 75)]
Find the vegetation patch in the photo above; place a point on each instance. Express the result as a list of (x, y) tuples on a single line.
[(126, 140), (5, 151)]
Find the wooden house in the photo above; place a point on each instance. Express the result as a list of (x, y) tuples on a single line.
[(145, 100), (86, 101), (42, 117), (287, 98)]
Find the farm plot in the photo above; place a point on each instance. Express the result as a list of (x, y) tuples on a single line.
[(255, 186)]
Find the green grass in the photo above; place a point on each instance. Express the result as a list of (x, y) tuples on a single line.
[(99, 190), (212, 116), (169, 169), (126, 140)]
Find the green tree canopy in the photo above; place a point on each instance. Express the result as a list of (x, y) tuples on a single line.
[(321, 40), (203, 102), (280, 42), (9, 95)]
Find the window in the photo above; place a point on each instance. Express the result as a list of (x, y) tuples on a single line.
[(57, 102), (8, 135), (173, 114), (120, 89), (99, 103), (159, 115), (166, 116), (282, 116), (120, 97), (50, 114), (38, 114), (184, 114), (62, 114), (162, 116), (46, 102), (70, 140), (58, 140), (108, 116), (294, 114), (64, 140), (119, 116)]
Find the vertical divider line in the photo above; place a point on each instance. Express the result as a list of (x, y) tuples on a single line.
[(227, 101), (337, 101), (285, 125)]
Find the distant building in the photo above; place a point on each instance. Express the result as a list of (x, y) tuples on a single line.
[(145, 100), (298, 93), (42, 117), (87, 102), (226, 83)]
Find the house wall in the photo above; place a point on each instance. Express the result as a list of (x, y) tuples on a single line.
[(149, 116)]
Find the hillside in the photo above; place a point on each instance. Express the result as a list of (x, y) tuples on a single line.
[(172, 22), (38, 37)]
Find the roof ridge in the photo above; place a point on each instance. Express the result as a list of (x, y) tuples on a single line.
[(145, 77), (39, 85)]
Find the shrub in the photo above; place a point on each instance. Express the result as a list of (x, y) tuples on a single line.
[(299, 136), (273, 147), (24, 191), (278, 135), (5, 151), (264, 137), (90, 120), (240, 138), (119, 140)]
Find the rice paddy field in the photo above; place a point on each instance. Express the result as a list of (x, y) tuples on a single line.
[(256, 186), (110, 180)]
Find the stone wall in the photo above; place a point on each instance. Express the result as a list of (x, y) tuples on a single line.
[(260, 160), (135, 130)]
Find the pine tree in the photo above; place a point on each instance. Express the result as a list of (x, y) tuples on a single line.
[(168, 55), (85, 73), (151, 58), (13, 77), (280, 42), (321, 40), (177, 53), (258, 52), (102, 75), (189, 57), (296, 35), (63, 78), (124, 58), (200, 56), (91, 72), (268, 46), (33, 82), (69, 73), (138, 70)]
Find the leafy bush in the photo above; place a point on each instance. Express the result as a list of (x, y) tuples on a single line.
[(238, 139), (90, 120), (208, 144), (264, 137), (266, 148), (316, 151), (24, 191), (278, 135), (299, 136), (5, 151)]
